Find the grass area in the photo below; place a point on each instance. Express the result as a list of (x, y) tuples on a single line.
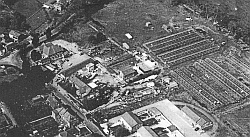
[(27, 7), (130, 16), (240, 119)]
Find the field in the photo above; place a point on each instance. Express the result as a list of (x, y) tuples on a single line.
[(239, 120), (130, 16), (27, 7)]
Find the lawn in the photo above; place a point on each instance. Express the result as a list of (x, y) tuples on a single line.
[(240, 119), (130, 16)]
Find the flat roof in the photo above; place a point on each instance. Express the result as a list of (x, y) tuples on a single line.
[(74, 63), (176, 116)]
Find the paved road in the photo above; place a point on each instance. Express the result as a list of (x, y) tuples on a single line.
[(61, 93)]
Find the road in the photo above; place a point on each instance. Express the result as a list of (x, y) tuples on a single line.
[(61, 93), (7, 112)]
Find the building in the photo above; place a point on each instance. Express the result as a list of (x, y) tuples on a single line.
[(46, 126), (14, 35), (146, 131), (198, 121), (131, 121), (48, 49), (172, 122), (53, 102), (156, 112), (62, 116)]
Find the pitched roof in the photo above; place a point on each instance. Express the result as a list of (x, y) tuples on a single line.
[(146, 131), (131, 118), (190, 113), (50, 49)]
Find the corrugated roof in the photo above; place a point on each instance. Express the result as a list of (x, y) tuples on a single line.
[(131, 119)]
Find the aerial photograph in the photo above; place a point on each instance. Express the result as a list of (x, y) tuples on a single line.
[(124, 68)]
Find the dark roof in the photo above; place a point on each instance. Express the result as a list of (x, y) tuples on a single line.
[(172, 128), (131, 118)]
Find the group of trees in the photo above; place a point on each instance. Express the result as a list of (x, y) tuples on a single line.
[(100, 37), (231, 19), (11, 19)]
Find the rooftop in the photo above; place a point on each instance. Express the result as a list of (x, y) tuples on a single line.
[(175, 116), (190, 113), (75, 63), (146, 131), (131, 118), (50, 49)]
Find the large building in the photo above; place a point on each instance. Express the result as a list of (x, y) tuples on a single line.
[(131, 121), (161, 119), (198, 121)]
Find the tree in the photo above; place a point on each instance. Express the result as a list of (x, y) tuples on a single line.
[(35, 55), (92, 39), (101, 37), (10, 2), (35, 40), (48, 33), (95, 135), (121, 132)]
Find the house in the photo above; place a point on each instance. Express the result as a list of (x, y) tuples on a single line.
[(131, 121), (52, 102), (146, 131), (14, 35), (63, 116)]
